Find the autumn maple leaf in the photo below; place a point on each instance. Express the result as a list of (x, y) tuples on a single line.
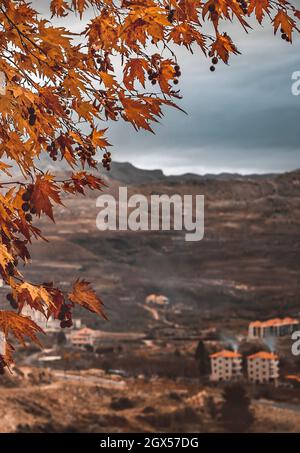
[(44, 191), (285, 22), (85, 296), (20, 326)]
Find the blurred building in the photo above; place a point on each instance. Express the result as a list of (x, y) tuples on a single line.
[(263, 367), (83, 337), (157, 299), (226, 366), (273, 328), (48, 325)]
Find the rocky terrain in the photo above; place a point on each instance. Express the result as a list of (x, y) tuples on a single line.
[(245, 268), (247, 264)]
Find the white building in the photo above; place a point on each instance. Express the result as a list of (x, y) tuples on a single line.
[(83, 337), (226, 366), (263, 367), (77, 324), (48, 325), (273, 328)]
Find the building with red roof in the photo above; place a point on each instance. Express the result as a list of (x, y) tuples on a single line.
[(263, 367), (277, 327), (226, 366)]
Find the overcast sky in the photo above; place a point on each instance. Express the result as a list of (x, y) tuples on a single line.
[(241, 118)]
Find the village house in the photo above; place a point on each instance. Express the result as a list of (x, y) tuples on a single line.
[(263, 367), (226, 366), (273, 328), (83, 337), (155, 299)]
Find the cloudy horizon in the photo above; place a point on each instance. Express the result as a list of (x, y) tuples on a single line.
[(241, 118)]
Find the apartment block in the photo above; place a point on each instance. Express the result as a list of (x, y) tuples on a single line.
[(226, 366)]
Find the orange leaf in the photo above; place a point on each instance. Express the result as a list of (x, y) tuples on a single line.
[(283, 20), (20, 326), (44, 191), (135, 69), (261, 7), (223, 46), (98, 140), (85, 296), (58, 8)]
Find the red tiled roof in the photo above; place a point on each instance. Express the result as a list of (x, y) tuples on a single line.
[(293, 377), (264, 355), (84, 331), (227, 354), (275, 322)]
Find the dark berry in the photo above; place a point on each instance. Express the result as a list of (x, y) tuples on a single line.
[(32, 120), (26, 196), (69, 323), (25, 207)]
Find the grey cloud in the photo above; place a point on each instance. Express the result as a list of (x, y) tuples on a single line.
[(241, 118)]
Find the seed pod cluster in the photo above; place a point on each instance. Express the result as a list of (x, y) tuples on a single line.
[(28, 206), (106, 161)]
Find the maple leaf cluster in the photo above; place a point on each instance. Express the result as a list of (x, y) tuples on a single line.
[(58, 92)]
